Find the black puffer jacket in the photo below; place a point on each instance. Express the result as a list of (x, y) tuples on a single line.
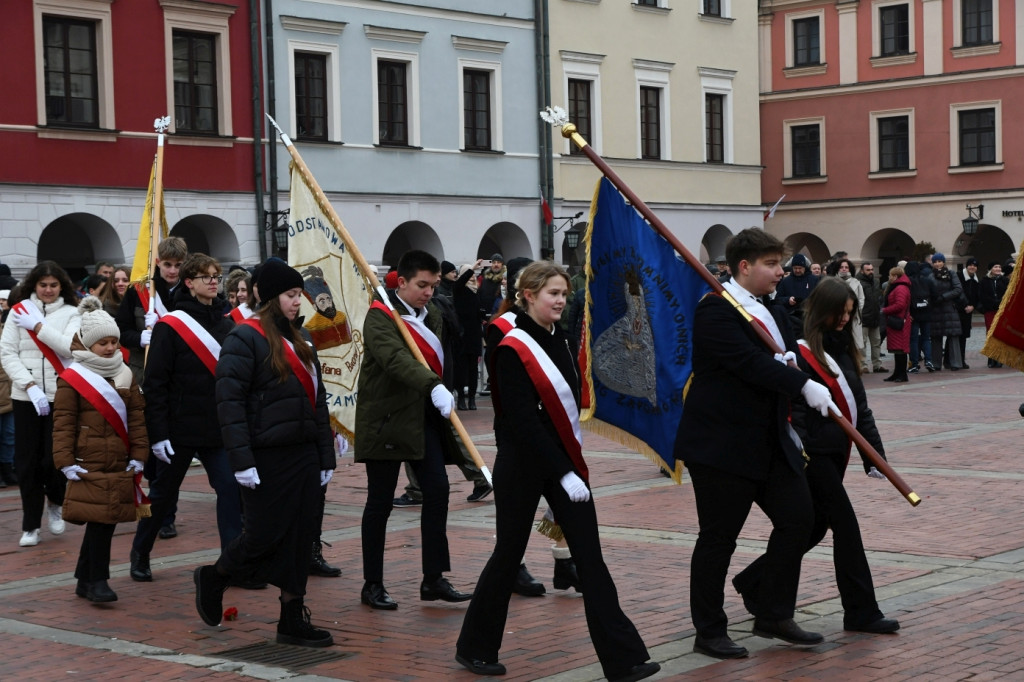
[(178, 387), (950, 298), (131, 320), (258, 410)]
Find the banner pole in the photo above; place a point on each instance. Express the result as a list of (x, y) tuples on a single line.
[(156, 217), (568, 130), (368, 273)]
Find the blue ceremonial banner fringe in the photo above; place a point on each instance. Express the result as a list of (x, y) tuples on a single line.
[(639, 315)]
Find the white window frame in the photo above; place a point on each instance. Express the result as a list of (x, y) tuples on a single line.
[(718, 82), (584, 67), (412, 85), (876, 32), (182, 15), (726, 10), (958, 33), (873, 118), (787, 150), (791, 41), (330, 50), (662, 4), (954, 136), (90, 10), (655, 75), (494, 69)]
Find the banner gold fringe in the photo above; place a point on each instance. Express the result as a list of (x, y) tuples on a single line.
[(550, 529), (997, 349), (613, 433), (143, 511), (590, 401)]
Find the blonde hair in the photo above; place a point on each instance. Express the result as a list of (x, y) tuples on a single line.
[(533, 278), (897, 271)]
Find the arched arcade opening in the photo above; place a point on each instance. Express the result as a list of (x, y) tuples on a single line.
[(210, 235), (77, 241)]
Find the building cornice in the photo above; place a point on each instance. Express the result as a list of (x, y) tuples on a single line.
[(896, 84)]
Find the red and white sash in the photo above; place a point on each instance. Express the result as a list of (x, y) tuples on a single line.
[(199, 341), (505, 323), (59, 362), (839, 387), (240, 312), (101, 395), (426, 340), (306, 375), (158, 305), (555, 394)]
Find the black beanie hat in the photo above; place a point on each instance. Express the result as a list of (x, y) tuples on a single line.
[(274, 277), (447, 267)]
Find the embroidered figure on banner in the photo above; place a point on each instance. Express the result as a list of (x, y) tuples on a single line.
[(624, 353), (328, 326)]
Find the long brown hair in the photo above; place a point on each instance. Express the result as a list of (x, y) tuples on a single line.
[(270, 314), (822, 311)]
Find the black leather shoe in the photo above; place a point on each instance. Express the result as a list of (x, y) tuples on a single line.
[(461, 405), (443, 590), (82, 589), (526, 585), (566, 575), (748, 601), (210, 587), (376, 597), (167, 532), (406, 501), (472, 403), (719, 647), (480, 667), (99, 592), (882, 626), (140, 567), (480, 492), (637, 672), (787, 630)]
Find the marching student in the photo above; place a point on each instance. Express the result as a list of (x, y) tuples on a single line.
[(272, 407), (34, 349), (100, 443), (537, 393), (181, 410), (402, 416), (236, 286)]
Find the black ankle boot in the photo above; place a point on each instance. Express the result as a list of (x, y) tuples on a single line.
[(472, 402), (318, 565), (295, 628), (461, 405), (566, 576)]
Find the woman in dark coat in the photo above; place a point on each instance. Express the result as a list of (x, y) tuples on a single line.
[(273, 414), (946, 326), (538, 386), (471, 346), (829, 355), (896, 307)]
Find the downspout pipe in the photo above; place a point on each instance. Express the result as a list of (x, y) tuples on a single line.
[(257, 125), (540, 9), (271, 101)]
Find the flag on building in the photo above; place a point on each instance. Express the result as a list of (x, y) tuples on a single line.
[(144, 252), (771, 212), (336, 295), (549, 217), (1005, 342), (638, 354)]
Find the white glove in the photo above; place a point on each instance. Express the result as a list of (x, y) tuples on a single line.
[(786, 358), (72, 472), (342, 443), (163, 451), (144, 337), (575, 487), (818, 397), (325, 476), (151, 319), (39, 401), (443, 400), (134, 466), (249, 478), (875, 473), (29, 318)]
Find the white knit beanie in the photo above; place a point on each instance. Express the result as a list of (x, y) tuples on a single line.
[(96, 323)]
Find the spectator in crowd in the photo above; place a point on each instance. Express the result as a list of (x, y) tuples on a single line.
[(38, 332), (113, 294), (971, 285), (95, 285), (470, 348), (992, 289), (449, 273), (946, 329), (869, 318), (794, 289), (922, 293), (896, 313), (816, 269), (723, 268), (7, 476), (845, 271)]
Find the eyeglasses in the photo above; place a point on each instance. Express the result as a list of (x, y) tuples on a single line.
[(209, 279)]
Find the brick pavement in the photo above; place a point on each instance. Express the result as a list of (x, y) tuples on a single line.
[(951, 570)]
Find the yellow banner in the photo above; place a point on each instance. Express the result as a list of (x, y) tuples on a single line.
[(143, 253)]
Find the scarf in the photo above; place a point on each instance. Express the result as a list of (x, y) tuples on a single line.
[(108, 368)]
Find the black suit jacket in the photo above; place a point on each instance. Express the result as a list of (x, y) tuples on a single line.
[(737, 408)]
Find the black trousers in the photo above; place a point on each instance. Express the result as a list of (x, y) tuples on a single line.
[(33, 463), (466, 373), (723, 503), (381, 481), (516, 495), (94, 555), (832, 509)]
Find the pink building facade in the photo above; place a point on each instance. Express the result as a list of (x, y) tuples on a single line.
[(882, 120)]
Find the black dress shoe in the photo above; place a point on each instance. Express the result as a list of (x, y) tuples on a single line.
[(472, 403), (637, 672), (566, 575), (376, 597), (526, 585), (441, 589), (787, 630), (461, 405), (882, 626), (210, 587), (167, 532), (480, 492), (82, 589), (480, 667), (99, 592), (719, 647), (139, 571)]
